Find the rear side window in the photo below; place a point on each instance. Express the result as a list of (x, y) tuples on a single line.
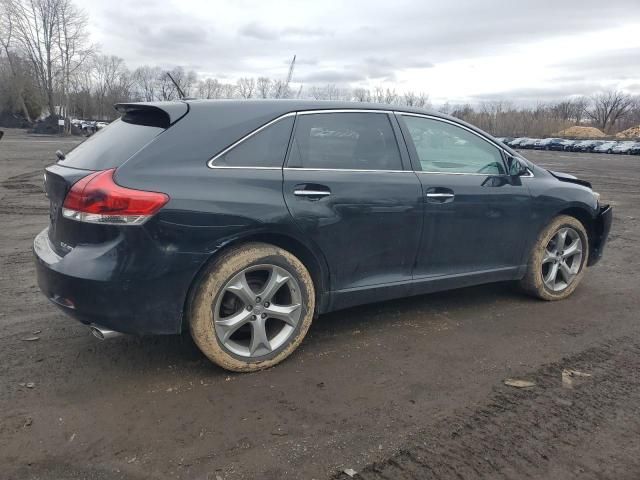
[(111, 146), (359, 141), (265, 148)]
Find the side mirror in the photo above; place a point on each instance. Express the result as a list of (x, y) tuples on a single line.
[(516, 167)]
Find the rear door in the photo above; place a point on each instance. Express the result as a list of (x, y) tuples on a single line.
[(347, 189), (476, 215)]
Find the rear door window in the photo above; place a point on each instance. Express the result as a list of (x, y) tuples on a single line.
[(344, 140), (265, 148), (111, 146)]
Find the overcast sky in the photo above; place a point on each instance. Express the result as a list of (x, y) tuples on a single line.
[(455, 50)]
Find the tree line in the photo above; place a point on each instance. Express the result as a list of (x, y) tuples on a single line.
[(49, 68)]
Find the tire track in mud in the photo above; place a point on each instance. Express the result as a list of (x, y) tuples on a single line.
[(25, 182), (548, 431), (23, 191)]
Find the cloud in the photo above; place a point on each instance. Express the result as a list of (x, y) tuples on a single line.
[(333, 76), (258, 31), (407, 43)]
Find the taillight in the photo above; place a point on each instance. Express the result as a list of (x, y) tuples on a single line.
[(98, 199)]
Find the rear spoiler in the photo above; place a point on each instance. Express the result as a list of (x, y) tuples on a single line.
[(152, 114)]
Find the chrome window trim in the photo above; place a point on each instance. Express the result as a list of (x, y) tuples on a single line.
[(210, 163), (304, 169), (229, 167), (344, 110), (462, 173)]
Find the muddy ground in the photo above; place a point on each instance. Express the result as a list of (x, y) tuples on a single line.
[(404, 389)]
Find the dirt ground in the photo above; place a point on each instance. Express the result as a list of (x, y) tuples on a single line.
[(404, 389)]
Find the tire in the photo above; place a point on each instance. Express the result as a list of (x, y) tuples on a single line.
[(539, 264), (220, 292)]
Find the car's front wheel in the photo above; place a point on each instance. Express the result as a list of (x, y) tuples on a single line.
[(252, 307), (558, 259)]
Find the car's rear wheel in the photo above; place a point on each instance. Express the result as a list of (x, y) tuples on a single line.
[(558, 259), (252, 308)]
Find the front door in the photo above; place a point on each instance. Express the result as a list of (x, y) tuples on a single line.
[(347, 189), (475, 214)]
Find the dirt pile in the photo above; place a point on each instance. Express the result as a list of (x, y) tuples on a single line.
[(633, 132), (580, 132)]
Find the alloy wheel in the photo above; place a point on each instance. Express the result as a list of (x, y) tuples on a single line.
[(258, 311), (562, 259)]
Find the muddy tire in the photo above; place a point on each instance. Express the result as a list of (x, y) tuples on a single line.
[(558, 260), (252, 307)]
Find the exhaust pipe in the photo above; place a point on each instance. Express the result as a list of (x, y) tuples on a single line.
[(103, 333)]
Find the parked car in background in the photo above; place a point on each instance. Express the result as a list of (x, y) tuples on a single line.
[(586, 145), (515, 143), (100, 125), (567, 145), (542, 144), (88, 126), (528, 143), (505, 140), (606, 147), (623, 147), (634, 150), (242, 221), (550, 144)]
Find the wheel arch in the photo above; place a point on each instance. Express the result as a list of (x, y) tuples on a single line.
[(586, 218), (313, 261)]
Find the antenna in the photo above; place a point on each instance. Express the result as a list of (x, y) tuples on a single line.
[(180, 92), (291, 67)]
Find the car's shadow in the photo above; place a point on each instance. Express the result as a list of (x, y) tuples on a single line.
[(180, 352)]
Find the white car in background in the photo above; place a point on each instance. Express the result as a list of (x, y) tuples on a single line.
[(606, 147), (623, 147)]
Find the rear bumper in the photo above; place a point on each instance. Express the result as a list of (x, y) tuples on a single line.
[(104, 285), (600, 234)]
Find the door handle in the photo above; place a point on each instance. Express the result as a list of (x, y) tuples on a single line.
[(311, 191), (439, 195)]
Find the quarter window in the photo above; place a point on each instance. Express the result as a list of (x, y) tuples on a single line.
[(360, 141), (265, 148), (443, 147)]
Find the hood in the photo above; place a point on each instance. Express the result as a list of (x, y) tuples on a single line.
[(565, 177)]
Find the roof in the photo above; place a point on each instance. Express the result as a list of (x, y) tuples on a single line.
[(281, 106)]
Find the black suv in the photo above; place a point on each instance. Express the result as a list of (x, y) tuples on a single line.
[(243, 220)]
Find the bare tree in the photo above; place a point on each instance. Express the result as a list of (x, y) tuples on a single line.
[(263, 86), (7, 44), (107, 73), (361, 95), (145, 79), (74, 50), (228, 90), (246, 87), (52, 34), (209, 88), (608, 107), (36, 25)]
